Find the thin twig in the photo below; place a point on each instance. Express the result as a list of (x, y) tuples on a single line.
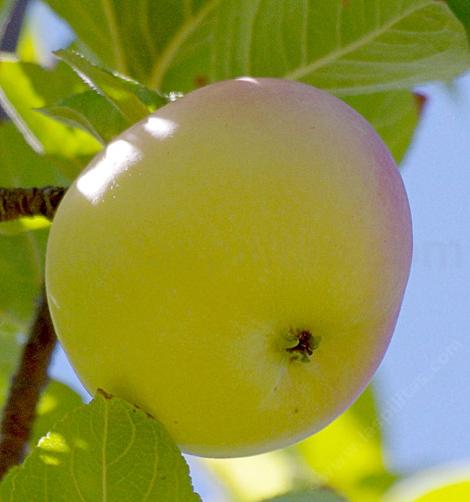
[(18, 202), (25, 390)]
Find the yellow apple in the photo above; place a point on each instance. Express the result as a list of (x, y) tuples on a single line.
[(234, 264)]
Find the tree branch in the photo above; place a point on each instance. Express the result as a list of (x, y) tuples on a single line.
[(18, 202), (25, 390)]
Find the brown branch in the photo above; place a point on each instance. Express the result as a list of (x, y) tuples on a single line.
[(18, 202), (25, 390)]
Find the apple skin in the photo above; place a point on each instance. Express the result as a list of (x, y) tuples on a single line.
[(185, 260)]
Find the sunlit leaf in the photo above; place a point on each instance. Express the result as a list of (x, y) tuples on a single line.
[(21, 225), (348, 453), (446, 483), (25, 87), (56, 401), (107, 450), (261, 476)]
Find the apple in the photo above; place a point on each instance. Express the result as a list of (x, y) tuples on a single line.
[(234, 264)]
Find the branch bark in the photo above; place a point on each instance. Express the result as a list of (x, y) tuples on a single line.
[(25, 390), (18, 202)]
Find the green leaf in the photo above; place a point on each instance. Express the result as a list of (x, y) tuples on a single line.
[(348, 48), (314, 495), (21, 255), (443, 483), (20, 165), (56, 401), (91, 112), (21, 276), (21, 225), (131, 100), (107, 450), (25, 87), (461, 8), (261, 476), (393, 114), (348, 455), (9, 352), (131, 36)]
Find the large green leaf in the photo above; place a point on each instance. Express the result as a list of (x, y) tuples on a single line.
[(348, 453), (107, 450), (351, 47), (25, 87), (348, 47)]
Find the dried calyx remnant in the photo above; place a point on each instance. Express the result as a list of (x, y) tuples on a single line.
[(303, 345)]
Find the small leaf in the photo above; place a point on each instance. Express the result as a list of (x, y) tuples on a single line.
[(56, 401), (314, 495), (107, 450), (91, 112), (131, 99)]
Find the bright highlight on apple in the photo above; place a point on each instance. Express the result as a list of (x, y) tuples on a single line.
[(234, 264)]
